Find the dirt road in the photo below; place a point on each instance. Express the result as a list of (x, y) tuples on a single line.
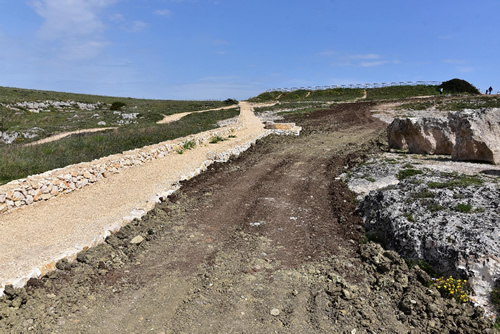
[(32, 238), (267, 243)]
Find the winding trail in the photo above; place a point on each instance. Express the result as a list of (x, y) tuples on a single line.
[(31, 239), (66, 134), (175, 117)]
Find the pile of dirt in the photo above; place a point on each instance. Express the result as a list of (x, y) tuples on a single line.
[(268, 242)]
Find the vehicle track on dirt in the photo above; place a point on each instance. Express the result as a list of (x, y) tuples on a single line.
[(266, 243)]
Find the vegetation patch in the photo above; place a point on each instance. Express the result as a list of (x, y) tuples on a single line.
[(117, 106), (408, 172), (458, 181), (216, 139), (424, 193), (464, 208), (21, 161), (453, 288), (455, 86)]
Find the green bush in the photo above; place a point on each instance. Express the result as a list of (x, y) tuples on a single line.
[(230, 102), (458, 86), (117, 106), (406, 173)]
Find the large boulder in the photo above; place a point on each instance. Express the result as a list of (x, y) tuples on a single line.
[(427, 135), (477, 135)]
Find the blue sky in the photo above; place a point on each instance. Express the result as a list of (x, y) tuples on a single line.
[(218, 49)]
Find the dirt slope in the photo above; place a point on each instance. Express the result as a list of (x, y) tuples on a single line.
[(268, 243)]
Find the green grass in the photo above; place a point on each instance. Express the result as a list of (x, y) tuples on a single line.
[(398, 92), (424, 193), (458, 181), (464, 208), (148, 111), (455, 104), (19, 161), (410, 217), (216, 139), (409, 172)]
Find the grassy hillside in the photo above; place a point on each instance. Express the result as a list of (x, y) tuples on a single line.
[(135, 121), (346, 94), (17, 116)]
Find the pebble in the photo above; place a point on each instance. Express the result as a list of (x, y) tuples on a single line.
[(275, 312), (137, 240)]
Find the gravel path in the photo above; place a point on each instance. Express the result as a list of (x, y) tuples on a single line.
[(175, 117), (31, 239)]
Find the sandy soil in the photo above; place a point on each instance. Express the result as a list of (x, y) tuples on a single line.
[(35, 236), (66, 134)]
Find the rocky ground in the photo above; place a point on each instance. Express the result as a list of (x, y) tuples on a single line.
[(267, 243)]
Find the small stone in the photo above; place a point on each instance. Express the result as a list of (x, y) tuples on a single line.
[(275, 312), (17, 196), (347, 294), (137, 240)]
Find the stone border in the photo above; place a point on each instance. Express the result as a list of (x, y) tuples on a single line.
[(42, 187), (84, 174)]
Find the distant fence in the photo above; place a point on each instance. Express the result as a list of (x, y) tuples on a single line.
[(365, 85)]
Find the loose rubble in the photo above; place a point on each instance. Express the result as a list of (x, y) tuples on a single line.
[(449, 220)]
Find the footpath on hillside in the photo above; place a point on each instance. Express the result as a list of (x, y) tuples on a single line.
[(32, 238)]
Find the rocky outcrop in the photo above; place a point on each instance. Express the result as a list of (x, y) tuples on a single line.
[(421, 135), (470, 135), (451, 221), (477, 135)]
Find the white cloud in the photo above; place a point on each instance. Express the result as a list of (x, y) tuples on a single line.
[(137, 26), (70, 17), (82, 50), (372, 63), (117, 18), (366, 56), (328, 53), (454, 61), (220, 42), (163, 12), (72, 30), (466, 69)]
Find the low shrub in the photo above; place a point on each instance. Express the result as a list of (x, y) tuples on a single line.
[(453, 288), (117, 106), (458, 86)]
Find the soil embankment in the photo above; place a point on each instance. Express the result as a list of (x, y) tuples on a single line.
[(267, 243)]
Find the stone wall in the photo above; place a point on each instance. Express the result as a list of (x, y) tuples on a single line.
[(57, 182)]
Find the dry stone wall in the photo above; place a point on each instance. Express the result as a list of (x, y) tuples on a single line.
[(43, 187)]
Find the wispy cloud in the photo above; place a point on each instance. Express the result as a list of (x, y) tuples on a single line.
[(372, 63), (454, 61), (466, 69), (328, 53), (70, 17), (220, 42), (73, 28), (364, 56), (163, 12), (358, 59), (136, 26)]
